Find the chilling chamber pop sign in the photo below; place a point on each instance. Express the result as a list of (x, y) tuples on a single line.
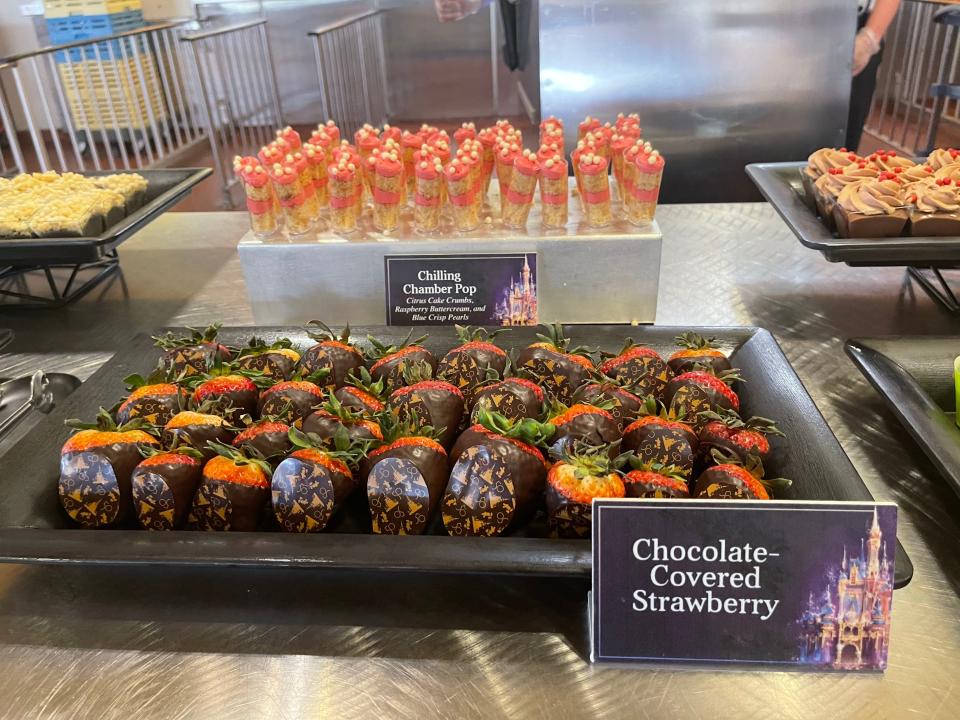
[(801, 583)]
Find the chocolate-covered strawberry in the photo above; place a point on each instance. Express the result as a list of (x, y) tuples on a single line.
[(581, 473), (95, 468), (156, 403), (732, 479), (694, 392), (277, 360), (554, 365), (437, 403), (196, 429), (192, 354), (233, 393), (291, 400), (362, 393), (332, 353), (697, 353), (618, 399), (234, 490), (391, 363), (660, 436), (326, 421), (727, 431), (498, 476), (582, 423), (405, 477), (640, 367), (514, 397), (475, 360), (653, 480), (310, 485), (267, 437), (163, 485)]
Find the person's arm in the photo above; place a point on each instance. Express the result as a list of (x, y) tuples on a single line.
[(867, 43)]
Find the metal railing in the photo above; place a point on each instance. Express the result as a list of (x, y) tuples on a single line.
[(117, 102), (918, 54), (351, 66), (238, 91)]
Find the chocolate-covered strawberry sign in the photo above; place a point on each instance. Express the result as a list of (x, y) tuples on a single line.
[(787, 582), (461, 289)]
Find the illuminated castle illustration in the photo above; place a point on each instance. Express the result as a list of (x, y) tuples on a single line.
[(518, 304), (848, 626)]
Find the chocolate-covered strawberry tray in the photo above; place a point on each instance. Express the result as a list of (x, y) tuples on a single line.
[(477, 452)]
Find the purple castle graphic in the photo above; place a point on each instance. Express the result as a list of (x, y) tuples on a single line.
[(518, 303), (847, 626)]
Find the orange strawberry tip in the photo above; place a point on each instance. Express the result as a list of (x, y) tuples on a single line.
[(170, 458), (635, 352), (519, 444), (427, 385), (583, 490), (303, 385), (92, 439), (340, 344), (259, 429), (225, 470), (742, 474), (697, 352), (323, 459), (398, 354), (529, 384), (412, 441), (481, 345), (655, 420), (189, 417), (649, 477), (576, 411), (365, 397)]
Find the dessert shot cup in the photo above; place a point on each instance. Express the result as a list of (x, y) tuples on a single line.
[(293, 200), (460, 193), (488, 143), (428, 194), (261, 201), (646, 187), (554, 192), (596, 190), (518, 199), (317, 161), (387, 191), (345, 192)]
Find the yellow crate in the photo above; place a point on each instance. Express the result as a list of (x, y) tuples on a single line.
[(66, 8), (87, 94)]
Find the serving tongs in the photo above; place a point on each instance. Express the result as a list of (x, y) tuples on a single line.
[(41, 399)]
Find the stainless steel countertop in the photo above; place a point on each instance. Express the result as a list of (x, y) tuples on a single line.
[(174, 643)]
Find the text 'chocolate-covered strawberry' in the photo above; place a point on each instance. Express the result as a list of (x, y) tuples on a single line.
[(498, 475), (554, 365), (95, 468), (332, 353)]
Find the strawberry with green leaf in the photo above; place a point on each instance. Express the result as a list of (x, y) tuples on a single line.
[(727, 431), (330, 417), (390, 362), (581, 422), (653, 480), (276, 360), (498, 475), (197, 429), (513, 397), (95, 468), (293, 400), (191, 354), (267, 437), (639, 366), (618, 397), (580, 473), (155, 402), (362, 393), (163, 485), (333, 353), (662, 436), (699, 390), (474, 361), (436, 402), (555, 366), (234, 490), (698, 352), (734, 479)]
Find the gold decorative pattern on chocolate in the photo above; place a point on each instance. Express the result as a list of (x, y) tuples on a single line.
[(571, 520), (544, 372), (462, 371), (302, 496), (725, 491), (504, 403), (692, 399), (398, 498), (153, 500), (480, 497), (188, 360), (648, 374), (89, 491), (154, 410), (662, 445), (212, 509)]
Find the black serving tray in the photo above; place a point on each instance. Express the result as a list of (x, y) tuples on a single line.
[(34, 529), (780, 185), (915, 376), (165, 188)]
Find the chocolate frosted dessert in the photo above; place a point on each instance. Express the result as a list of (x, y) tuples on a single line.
[(871, 208), (828, 187)]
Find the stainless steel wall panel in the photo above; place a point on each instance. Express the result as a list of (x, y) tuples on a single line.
[(717, 83)]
